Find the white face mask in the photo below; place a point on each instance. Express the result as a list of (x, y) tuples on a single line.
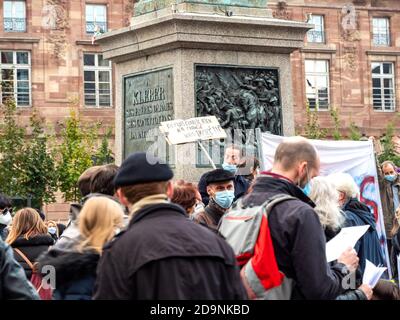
[(5, 218)]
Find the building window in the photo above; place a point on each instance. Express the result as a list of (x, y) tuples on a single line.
[(317, 84), (96, 15), (383, 93), (97, 80), (381, 32), (15, 77), (318, 33), (14, 16)]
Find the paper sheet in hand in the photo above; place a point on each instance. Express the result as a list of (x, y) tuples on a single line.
[(372, 273), (347, 237)]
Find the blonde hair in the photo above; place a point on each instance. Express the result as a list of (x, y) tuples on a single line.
[(326, 199), (97, 221), (396, 222), (26, 223)]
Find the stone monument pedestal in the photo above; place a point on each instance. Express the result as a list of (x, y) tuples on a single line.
[(156, 59)]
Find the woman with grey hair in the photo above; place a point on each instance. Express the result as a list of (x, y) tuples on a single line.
[(326, 198)]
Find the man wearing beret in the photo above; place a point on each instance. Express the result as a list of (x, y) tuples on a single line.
[(221, 192), (232, 158), (162, 254)]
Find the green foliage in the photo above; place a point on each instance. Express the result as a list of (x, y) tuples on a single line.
[(11, 150), (336, 121), (36, 165), (40, 176), (75, 151), (388, 146), (312, 127), (104, 154), (355, 133)]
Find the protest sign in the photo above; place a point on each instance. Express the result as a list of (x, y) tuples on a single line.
[(354, 157), (192, 130)]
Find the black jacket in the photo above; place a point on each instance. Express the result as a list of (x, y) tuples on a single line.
[(13, 283), (3, 232), (75, 273), (241, 187), (32, 249), (298, 240), (368, 247), (164, 255)]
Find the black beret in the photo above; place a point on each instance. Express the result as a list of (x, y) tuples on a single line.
[(219, 175), (140, 167)]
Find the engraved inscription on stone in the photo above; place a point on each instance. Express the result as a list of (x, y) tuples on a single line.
[(148, 100), (241, 98)]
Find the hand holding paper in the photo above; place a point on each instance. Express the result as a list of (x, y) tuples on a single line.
[(346, 238), (372, 273)]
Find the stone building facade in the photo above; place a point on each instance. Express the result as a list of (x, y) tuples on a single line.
[(333, 70), (48, 44), (350, 61)]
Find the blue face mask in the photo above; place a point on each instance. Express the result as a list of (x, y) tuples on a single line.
[(52, 230), (224, 198), (307, 189), (229, 167), (391, 177)]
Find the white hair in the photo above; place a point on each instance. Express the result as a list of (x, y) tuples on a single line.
[(326, 199), (345, 183)]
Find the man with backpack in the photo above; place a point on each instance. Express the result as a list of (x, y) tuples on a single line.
[(287, 259)]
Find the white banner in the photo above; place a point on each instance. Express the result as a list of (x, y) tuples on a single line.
[(354, 157)]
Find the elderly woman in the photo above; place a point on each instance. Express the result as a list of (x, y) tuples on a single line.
[(358, 214)]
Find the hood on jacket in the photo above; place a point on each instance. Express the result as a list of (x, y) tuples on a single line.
[(40, 240), (70, 265), (361, 210)]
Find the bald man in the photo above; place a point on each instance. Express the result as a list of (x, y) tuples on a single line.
[(297, 236)]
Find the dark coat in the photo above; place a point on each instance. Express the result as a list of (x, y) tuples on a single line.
[(32, 249), (164, 255), (75, 273), (3, 232), (368, 247), (211, 216), (298, 240), (386, 192), (13, 283), (395, 251), (240, 183)]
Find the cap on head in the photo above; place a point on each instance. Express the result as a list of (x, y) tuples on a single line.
[(141, 167), (219, 175)]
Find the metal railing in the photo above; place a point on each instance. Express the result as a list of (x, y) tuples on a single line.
[(315, 36), (15, 24), (381, 39), (90, 26)]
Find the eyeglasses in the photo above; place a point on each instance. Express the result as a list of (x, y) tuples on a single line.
[(6, 210)]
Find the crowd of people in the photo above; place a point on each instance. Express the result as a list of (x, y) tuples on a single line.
[(139, 234)]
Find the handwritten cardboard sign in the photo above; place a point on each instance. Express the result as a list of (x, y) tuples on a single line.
[(192, 130)]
